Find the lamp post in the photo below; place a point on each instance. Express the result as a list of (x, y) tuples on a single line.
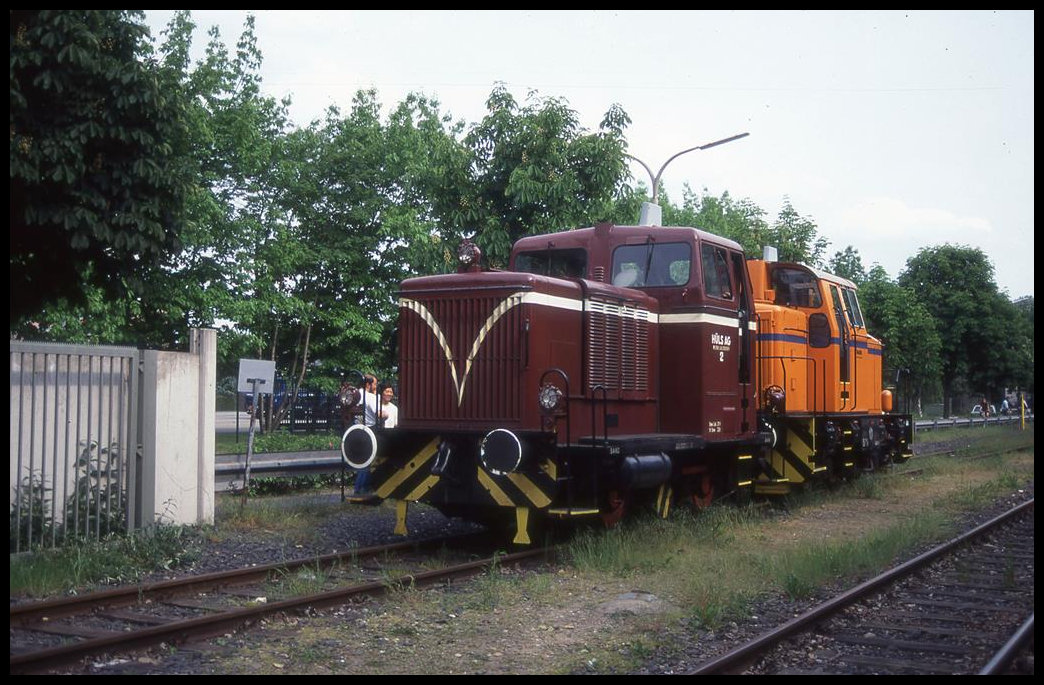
[(649, 208)]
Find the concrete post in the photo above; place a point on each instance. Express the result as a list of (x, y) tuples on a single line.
[(178, 431)]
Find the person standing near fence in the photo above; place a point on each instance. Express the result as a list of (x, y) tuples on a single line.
[(368, 417)]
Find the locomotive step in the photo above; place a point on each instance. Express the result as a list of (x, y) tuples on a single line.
[(572, 511)]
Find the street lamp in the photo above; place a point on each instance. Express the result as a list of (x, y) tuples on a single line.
[(648, 208)]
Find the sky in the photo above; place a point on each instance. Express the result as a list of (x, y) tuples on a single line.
[(891, 130)]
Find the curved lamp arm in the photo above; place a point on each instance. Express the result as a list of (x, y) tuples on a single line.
[(656, 179)]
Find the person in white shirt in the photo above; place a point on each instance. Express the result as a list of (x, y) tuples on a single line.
[(369, 400), (389, 411)]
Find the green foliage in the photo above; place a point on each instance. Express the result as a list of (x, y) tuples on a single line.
[(1022, 346), (740, 220), (533, 169), (795, 237), (96, 193), (907, 329), (261, 487), (848, 264), (114, 559), (31, 522), (282, 441), (956, 285), (357, 227)]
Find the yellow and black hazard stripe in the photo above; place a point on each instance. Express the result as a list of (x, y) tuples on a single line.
[(793, 459), (415, 480), (412, 480)]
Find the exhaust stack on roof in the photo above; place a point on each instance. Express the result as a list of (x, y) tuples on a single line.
[(651, 215)]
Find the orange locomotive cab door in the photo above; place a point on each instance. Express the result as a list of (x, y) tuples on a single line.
[(845, 399)]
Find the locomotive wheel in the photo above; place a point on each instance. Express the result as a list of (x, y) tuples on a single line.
[(616, 510)]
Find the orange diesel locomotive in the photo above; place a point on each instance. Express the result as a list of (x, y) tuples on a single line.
[(614, 366)]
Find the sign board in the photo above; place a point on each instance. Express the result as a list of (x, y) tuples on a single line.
[(263, 371)]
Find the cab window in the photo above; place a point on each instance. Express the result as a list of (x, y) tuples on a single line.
[(717, 282), (795, 288), (570, 263)]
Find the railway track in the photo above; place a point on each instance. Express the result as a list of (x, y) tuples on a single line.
[(56, 633), (965, 607)]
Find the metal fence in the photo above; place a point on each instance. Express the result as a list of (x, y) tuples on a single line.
[(74, 442), (1012, 420), (317, 411)]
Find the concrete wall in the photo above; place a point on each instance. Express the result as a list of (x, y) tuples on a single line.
[(177, 433)]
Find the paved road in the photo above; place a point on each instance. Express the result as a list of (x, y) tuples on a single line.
[(230, 466), (225, 421)]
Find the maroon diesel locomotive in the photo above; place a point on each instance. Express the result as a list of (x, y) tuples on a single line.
[(619, 365)]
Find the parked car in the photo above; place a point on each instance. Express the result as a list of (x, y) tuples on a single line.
[(977, 410)]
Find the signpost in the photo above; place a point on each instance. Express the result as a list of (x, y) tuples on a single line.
[(255, 376)]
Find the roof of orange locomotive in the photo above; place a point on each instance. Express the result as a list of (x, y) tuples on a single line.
[(579, 237), (818, 273)]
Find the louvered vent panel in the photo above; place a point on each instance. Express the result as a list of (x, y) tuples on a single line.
[(618, 347)]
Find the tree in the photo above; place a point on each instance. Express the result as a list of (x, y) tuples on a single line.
[(236, 239), (533, 169), (955, 284), (848, 264), (740, 220), (1021, 347), (908, 333), (795, 237), (359, 220), (1005, 341), (96, 191)]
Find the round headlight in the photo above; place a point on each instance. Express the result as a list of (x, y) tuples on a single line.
[(358, 446), (501, 452), (549, 397)]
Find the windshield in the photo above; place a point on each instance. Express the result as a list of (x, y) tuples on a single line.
[(855, 316), (652, 265)]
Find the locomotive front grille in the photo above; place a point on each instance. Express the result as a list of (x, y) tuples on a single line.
[(461, 358)]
